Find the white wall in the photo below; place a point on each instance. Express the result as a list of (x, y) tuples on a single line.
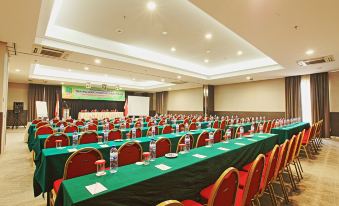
[(265, 96), (17, 93), (334, 91), (185, 100)]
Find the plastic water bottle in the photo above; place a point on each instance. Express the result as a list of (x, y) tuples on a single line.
[(199, 126), (241, 131), (153, 131), (186, 127), (51, 122), (152, 149), (75, 139), (261, 128), (62, 128), (187, 143), (134, 133), (211, 139), (209, 124), (105, 136), (177, 128), (252, 128), (228, 134), (113, 160)]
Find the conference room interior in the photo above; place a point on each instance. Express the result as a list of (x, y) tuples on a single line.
[(169, 103)]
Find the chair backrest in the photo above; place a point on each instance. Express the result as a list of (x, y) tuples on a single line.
[(268, 175), (225, 189), (291, 149), (41, 123), (170, 203), (36, 121), (299, 143), (167, 129), (186, 121), (50, 142), (265, 126), (88, 137), (162, 122), (114, 134), (111, 126), (216, 124), (95, 121), (148, 118), (82, 162), (282, 157), (193, 126), (69, 120), (138, 124), (46, 129), (201, 139), (71, 129), (129, 153), (217, 134), (163, 146), (138, 132), (182, 141), (116, 121), (252, 185), (149, 130), (268, 127), (93, 127), (79, 123), (61, 123), (55, 120), (181, 127), (223, 125)]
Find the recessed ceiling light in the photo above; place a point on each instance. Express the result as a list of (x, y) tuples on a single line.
[(173, 49), (208, 51), (164, 33), (133, 79), (179, 77), (309, 52), (206, 60), (69, 70), (239, 53), (249, 78), (151, 6), (17, 70), (86, 68), (208, 36), (97, 61), (62, 83), (162, 80)]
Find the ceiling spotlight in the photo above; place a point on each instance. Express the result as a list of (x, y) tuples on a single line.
[(249, 78), (97, 61), (206, 60), (179, 77), (162, 80), (133, 79), (151, 6), (86, 68), (208, 36), (173, 49), (309, 52), (164, 33), (17, 70), (239, 53), (208, 51), (69, 70)]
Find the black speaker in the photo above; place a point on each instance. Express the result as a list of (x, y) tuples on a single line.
[(18, 107)]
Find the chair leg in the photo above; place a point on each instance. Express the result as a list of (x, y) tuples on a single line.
[(290, 176), (297, 167), (258, 201), (297, 171), (305, 149), (300, 164), (283, 188), (272, 195)]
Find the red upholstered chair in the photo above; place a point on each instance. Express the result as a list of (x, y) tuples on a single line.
[(137, 125), (83, 120), (269, 126), (163, 146), (223, 125), (69, 120), (61, 123), (149, 130), (81, 162), (46, 129), (79, 123), (194, 120), (41, 123), (114, 134), (306, 143), (296, 161), (148, 118), (71, 129), (50, 142), (193, 126), (167, 129), (116, 121), (55, 120), (216, 124), (186, 121), (88, 137), (129, 153), (111, 126), (217, 134), (162, 122), (170, 203), (36, 121), (290, 157), (95, 121), (181, 127), (182, 141), (223, 192), (150, 124), (128, 125), (138, 132), (93, 127), (201, 141)]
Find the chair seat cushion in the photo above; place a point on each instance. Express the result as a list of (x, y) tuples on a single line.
[(56, 184), (238, 198), (242, 178), (190, 203), (206, 192)]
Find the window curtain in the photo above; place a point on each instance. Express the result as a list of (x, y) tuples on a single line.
[(161, 102), (292, 97), (320, 101)]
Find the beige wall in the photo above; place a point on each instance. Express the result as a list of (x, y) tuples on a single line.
[(185, 100), (265, 96), (334, 91), (17, 93)]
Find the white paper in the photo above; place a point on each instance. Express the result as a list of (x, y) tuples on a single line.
[(253, 140), (72, 150), (96, 188), (238, 143), (262, 136), (199, 156), (162, 167), (223, 148), (103, 145)]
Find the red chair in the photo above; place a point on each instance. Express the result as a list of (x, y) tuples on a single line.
[(167, 129), (223, 125), (290, 157), (95, 121), (217, 135), (186, 121), (138, 132), (137, 125), (79, 123), (41, 123), (216, 124), (114, 134), (201, 141), (162, 122), (150, 124), (36, 121), (181, 127), (46, 129), (306, 143), (71, 129), (93, 127), (223, 192), (163, 146), (55, 120), (116, 121), (81, 162), (111, 126), (194, 120), (61, 122), (129, 153), (182, 141), (148, 118), (69, 120), (193, 126), (88, 137), (50, 142), (149, 130)]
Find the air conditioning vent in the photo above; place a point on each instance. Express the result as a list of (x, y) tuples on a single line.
[(50, 52), (318, 60)]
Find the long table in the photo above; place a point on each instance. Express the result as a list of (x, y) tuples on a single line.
[(50, 165), (148, 185), (99, 115), (286, 132)]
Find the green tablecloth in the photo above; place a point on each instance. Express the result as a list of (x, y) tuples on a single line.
[(51, 162), (287, 132), (147, 185)]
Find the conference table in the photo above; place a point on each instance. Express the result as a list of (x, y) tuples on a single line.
[(99, 115), (185, 176), (286, 132)]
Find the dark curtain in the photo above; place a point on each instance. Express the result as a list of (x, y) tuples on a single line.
[(320, 101), (161, 102), (40, 92), (292, 97)]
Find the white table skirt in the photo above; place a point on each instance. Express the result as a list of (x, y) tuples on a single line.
[(99, 115)]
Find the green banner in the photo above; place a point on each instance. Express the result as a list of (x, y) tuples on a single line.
[(78, 92)]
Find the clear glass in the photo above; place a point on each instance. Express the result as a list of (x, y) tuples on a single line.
[(147, 158), (99, 139), (58, 144), (187, 143), (101, 169)]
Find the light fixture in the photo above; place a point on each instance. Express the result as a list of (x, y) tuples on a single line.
[(133, 79), (249, 78), (151, 6), (239, 53), (208, 51), (162, 80), (69, 70), (173, 49), (179, 77), (86, 68), (164, 33), (309, 52), (17, 70), (206, 60), (208, 36), (97, 61)]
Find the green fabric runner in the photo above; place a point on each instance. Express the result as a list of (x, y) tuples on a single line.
[(286, 132), (147, 185)]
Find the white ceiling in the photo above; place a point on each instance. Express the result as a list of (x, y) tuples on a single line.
[(263, 30)]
